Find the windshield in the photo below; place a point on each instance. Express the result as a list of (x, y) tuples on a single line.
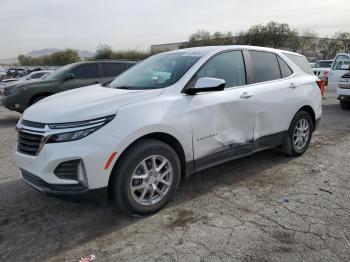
[(58, 72), (323, 64), (158, 71)]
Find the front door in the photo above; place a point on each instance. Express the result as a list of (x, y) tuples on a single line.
[(222, 121), (84, 75), (336, 72)]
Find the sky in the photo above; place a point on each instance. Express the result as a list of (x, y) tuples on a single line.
[(84, 24)]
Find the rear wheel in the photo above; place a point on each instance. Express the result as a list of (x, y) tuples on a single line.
[(344, 105), (299, 134), (146, 177)]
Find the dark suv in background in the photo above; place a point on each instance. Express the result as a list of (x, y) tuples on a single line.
[(18, 97)]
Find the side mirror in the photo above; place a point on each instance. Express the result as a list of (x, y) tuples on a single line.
[(69, 76), (207, 84), (345, 67)]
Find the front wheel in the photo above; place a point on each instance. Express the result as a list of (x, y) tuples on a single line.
[(146, 177), (299, 134)]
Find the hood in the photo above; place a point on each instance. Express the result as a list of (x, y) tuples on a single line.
[(29, 83), (84, 104)]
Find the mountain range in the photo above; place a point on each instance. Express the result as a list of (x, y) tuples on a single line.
[(47, 51)]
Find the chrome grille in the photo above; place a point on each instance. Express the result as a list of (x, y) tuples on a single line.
[(28, 143), (32, 124)]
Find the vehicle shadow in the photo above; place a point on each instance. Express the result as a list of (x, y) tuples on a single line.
[(35, 226)]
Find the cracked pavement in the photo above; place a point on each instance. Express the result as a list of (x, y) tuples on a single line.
[(266, 207)]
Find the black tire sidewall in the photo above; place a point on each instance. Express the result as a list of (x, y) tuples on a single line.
[(300, 115), (130, 160), (344, 105)]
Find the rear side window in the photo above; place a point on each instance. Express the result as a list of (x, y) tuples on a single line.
[(265, 66), (86, 71), (301, 62), (285, 69), (228, 66), (112, 69)]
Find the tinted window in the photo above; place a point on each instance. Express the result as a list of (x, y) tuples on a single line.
[(86, 71), (228, 66), (301, 62), (265, 66), (112, 69), (285, 69)]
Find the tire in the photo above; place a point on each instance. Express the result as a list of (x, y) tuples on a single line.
[(37, 99), (137, 161), (296, 142), (344, 105)]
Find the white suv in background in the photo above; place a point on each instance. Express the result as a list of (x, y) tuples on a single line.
[(340, 67), (173, 114)]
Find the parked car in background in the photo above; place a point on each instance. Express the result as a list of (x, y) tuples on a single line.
[(340, 67), (343, 91), (173, 114), (19, 96), (30, 76), (321, 69)]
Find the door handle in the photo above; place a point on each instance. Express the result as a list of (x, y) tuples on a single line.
[(246, 95), (292, 85)]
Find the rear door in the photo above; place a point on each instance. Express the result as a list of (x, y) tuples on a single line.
[(222, 121), (275, 95), (84, 75), (336, 72), (111, 70)]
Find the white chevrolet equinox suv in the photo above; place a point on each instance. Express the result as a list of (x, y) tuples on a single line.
[(172, 115)]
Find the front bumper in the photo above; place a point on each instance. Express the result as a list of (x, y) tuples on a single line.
[(93, 151), (343, 94), (12, 102), (78, 191)]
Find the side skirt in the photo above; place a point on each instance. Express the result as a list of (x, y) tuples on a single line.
[(238, 151)]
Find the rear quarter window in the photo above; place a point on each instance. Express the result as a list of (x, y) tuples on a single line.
[(301, 62), (285, 69)]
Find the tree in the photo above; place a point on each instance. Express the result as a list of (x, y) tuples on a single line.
[(60, 58), (307, 42), (344, 40), (205, 38), (274, 34), (103, 52), (328, 47)]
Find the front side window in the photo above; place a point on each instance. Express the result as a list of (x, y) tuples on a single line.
[(285, 69), (111, 69), (228, 66), (85, 71), (341, 60), (158, 71), (265, 66)]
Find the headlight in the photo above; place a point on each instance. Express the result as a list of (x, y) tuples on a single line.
[(77, 130)]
